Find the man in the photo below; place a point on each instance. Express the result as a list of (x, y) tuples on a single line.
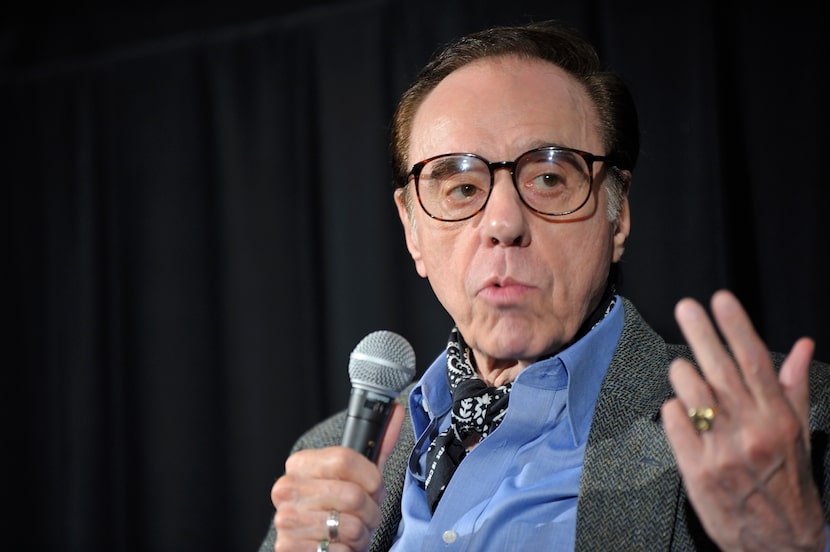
[(557, 419)]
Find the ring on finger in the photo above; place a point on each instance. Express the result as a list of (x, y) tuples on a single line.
[(333, 525), (703, 418), (323, 545)]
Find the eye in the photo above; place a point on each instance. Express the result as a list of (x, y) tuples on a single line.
[(458, 178), (553, 181), (547, 180), (454, 187), (544, 177), (463, 191)]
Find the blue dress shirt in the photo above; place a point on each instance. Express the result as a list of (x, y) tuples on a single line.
[(518, 488)]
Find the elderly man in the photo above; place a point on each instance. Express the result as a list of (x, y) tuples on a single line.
[(557, 419)]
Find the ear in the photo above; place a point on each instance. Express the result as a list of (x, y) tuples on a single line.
[(410, 233), (623, 225)]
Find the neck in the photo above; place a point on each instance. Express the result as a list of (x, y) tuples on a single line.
[(498, 372), (501, 373)]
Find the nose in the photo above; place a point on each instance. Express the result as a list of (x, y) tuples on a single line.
[(505, 217)]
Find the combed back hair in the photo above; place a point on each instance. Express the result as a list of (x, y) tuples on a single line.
[(551, 41)]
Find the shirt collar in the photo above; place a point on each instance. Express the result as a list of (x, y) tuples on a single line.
[(585, 363)]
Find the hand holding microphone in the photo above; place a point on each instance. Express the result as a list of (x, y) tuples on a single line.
[(315, 499)]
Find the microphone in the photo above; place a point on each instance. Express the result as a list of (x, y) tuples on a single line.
[(380, 366)]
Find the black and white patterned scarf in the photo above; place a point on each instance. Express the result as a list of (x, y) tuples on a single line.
[(477, 409)]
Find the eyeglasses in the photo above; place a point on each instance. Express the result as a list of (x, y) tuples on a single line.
[(551, 181)]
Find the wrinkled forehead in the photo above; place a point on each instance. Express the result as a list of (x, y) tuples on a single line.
[(500, 107)]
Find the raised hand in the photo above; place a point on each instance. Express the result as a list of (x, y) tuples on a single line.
[(748, 473)]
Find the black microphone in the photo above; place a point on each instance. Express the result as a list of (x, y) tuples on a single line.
[(380, 366)]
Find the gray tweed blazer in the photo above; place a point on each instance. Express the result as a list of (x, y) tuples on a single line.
[(631, 496)]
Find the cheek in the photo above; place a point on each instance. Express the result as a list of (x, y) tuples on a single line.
[(445, 262), (586, 256), (440, 261), (448, 290)]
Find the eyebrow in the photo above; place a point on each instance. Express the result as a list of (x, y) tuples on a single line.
[(545, 144)]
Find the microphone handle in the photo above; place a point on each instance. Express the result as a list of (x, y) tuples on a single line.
[(366, 421)]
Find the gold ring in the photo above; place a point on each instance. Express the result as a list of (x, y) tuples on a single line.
[(333, 525), (703, 418)]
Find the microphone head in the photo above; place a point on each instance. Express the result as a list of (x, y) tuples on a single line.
[(383, 362)]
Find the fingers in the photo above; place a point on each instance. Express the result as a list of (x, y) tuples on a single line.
[(750, 352), (335, 464), (317, 482), (334, 479), (691, 392), (301, 529), (706, 345), (750, 379), (794, 380)]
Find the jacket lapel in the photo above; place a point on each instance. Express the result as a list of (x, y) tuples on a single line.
[(630, 485)]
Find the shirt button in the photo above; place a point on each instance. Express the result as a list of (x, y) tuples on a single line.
[(449, 536)]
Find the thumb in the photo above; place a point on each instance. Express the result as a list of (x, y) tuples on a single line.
[(794, 380), (390, 435)]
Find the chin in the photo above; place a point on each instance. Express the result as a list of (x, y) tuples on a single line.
[(517, 346)]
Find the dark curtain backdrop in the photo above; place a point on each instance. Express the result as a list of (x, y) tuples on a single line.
[(201, 229)]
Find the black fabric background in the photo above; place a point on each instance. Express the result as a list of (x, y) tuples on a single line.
[(201, 228)]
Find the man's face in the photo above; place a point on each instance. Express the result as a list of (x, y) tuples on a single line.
[(517, 284)]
